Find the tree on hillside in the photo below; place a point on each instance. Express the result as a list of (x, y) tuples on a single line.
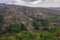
[(44, 23), (13, 27), (1, 21), (38, 22)]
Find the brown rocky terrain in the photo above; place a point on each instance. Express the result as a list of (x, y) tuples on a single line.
[(23, 14)]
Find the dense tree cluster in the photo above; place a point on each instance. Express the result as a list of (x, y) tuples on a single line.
[(19, 31)]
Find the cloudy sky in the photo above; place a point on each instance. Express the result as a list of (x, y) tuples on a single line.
[(34, 3)]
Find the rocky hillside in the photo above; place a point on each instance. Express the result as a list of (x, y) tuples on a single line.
[(23, 14)]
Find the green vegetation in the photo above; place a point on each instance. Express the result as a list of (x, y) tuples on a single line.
[(1, 22), (13, 27), (19, 31)]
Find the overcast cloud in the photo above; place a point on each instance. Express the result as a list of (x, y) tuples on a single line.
[(34, 3)]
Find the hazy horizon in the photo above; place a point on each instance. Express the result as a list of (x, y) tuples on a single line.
[(34, 3)]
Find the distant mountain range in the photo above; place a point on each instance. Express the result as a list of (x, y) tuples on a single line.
[(39, 9), (23, 14), (55, 8), (28, 10)]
